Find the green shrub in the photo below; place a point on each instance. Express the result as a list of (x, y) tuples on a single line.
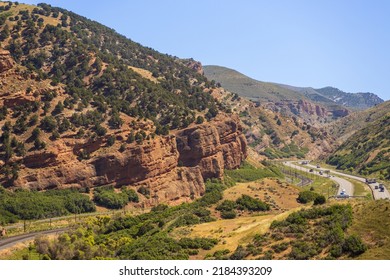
[(320, 199), (252, 204), (228, 214), (226, 205), (107, 197), (307, 196)]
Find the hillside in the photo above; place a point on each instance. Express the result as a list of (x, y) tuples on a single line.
[(309, 105), (82, 107), (345, 127), (367, 151)]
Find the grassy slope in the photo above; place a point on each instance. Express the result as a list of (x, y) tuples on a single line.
[(247, 87), (372, 222)]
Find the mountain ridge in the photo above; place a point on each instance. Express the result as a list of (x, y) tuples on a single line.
[(269, 91)]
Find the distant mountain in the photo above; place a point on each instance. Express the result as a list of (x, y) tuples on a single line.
[(360, 100), (245, 86), (304, 102), (329, 97)]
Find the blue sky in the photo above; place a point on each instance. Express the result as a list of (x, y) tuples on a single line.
[(345, 44)]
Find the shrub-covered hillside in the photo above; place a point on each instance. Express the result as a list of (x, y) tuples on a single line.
[(64, 77), (367, 151)]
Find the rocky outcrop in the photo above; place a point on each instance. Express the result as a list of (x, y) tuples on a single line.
[(193, 64), (172, 167), (212, 147), (6, 61)]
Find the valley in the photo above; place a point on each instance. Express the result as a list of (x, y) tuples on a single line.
[(114, 151)]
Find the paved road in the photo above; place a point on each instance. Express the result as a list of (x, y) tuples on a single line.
[(8, 242), (377, 194), (344, 185)]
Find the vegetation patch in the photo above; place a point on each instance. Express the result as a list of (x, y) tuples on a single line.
[(28, 205), (316, 233), (107, 197), (248, 173), (309, 196)]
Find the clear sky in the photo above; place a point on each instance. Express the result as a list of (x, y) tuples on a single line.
[(338, 43)]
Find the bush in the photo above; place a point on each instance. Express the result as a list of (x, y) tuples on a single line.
[(107, 197), (320, 199), (307, 196), (228, 214), (226, 205), (252, 204), (354, 246)]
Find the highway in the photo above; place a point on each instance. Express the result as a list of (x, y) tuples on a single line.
[(344, 185), (376, 193), (7, 242)]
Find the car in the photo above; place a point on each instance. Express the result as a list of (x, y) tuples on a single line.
[(320, 172), (318, 166), (311, 170), (376, 187)]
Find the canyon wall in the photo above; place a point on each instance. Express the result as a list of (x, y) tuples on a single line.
[(172, 167)]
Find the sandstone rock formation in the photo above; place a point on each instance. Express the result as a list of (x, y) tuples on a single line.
[(6, 61), (172, 167)]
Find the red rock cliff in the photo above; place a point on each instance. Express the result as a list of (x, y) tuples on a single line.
[(172, 167)]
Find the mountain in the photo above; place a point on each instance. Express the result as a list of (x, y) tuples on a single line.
[(304, 102), (275, 134), (367, 149), (82, 106), (360, 100)]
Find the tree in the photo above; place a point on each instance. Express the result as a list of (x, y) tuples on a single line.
[(4, 34), (139, 138), (111, 140), (320, 199), (115, 122), (131, 137), (38, 144), (100, 130), (48, 123), (35, 133), (59, 108), (199, 120)]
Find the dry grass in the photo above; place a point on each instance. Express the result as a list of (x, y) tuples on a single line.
[(241, 230), (280, 195), (144, 73), (231, 233)]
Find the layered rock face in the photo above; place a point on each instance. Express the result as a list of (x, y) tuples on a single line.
[(6, 61), (213, 147), (172, 167)]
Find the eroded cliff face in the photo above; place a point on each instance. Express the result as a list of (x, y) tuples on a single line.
[(6, 62), (213, 147), (172, 167)]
